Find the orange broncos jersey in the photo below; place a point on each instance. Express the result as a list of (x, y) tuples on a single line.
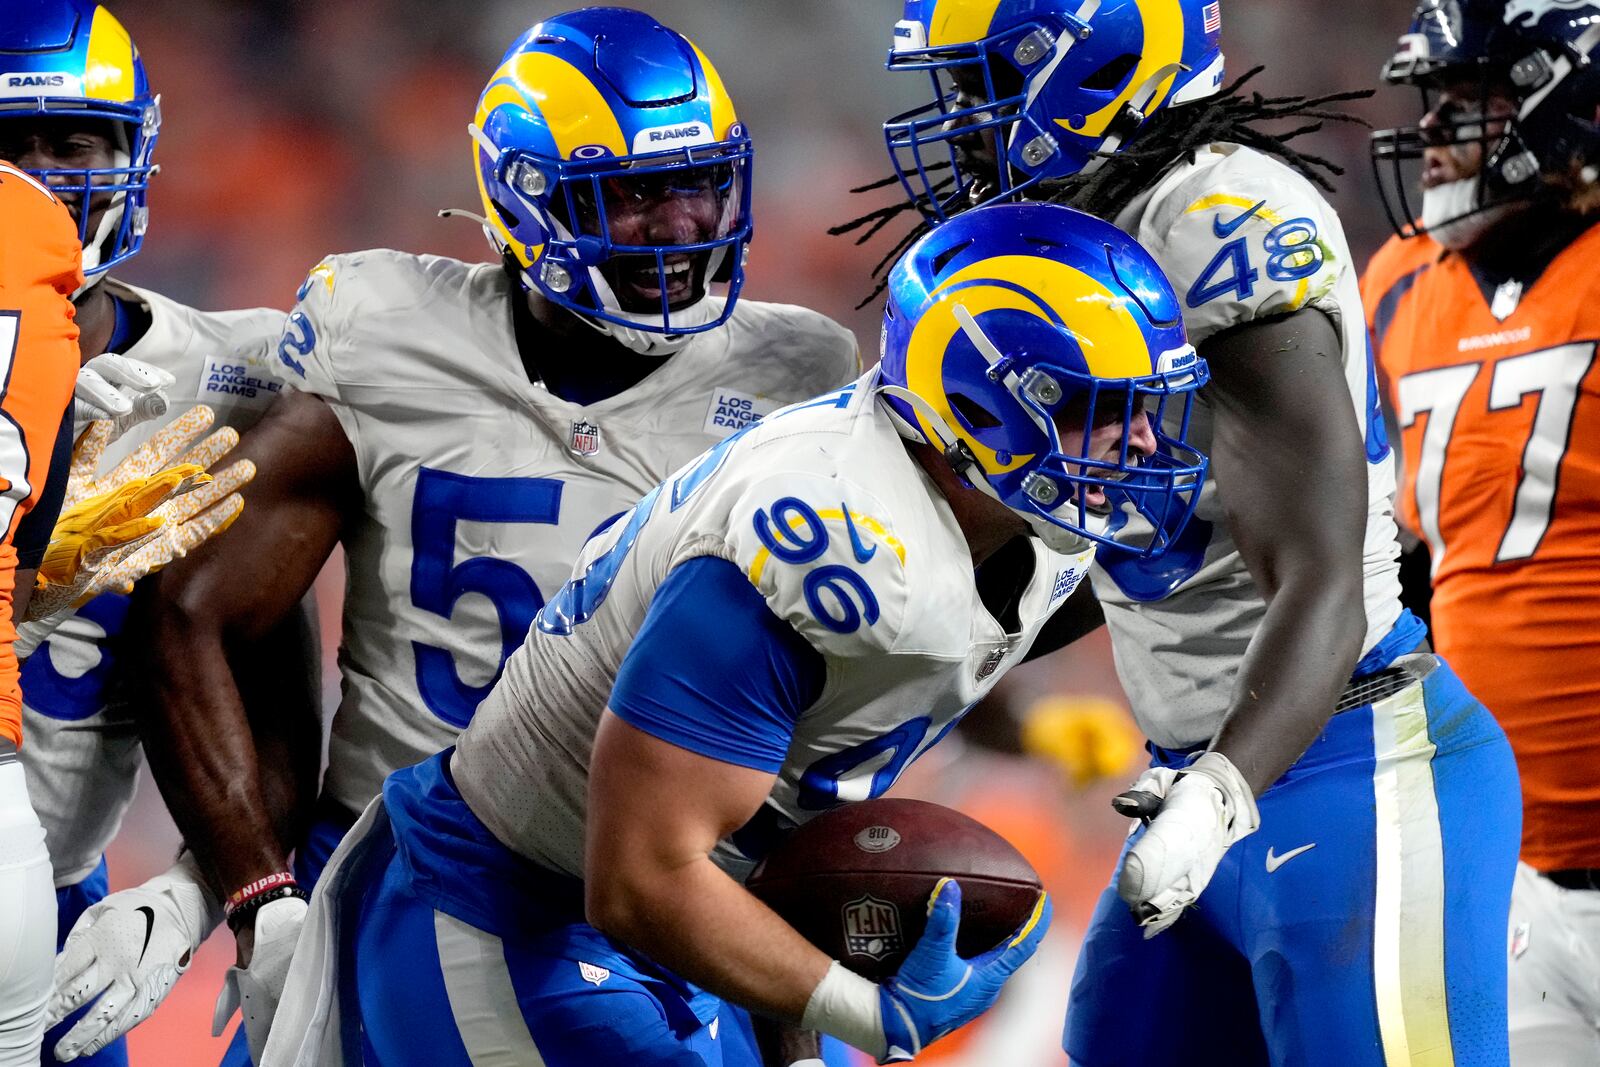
[(1501, 439), (39, 271)]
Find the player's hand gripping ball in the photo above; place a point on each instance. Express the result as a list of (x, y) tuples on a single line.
[(856, 881)]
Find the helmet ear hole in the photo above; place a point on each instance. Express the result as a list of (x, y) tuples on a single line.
[(507, 216), (942, 259), (975, 415), (1110, 76)]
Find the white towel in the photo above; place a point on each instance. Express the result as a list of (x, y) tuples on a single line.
[(310, 1028)]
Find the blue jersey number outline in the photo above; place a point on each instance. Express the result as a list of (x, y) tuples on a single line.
[(298, 336), (578, 600), (1293, 253), (441, 501)]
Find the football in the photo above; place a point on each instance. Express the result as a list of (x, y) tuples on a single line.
[(856, 880)]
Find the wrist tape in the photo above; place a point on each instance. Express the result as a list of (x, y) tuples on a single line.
[(846, 1005)]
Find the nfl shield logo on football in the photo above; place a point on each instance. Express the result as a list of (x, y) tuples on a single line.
[(871, 927), (585, 438)]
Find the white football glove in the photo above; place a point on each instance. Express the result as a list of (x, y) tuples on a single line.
[(256, 989), (126, 391), (1202, 810), (128, 950)]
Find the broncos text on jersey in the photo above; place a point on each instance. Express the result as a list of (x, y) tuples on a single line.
[(1498, 399)]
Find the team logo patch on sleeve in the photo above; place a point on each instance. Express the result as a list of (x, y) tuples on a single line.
[(585, 438), (731, 411)]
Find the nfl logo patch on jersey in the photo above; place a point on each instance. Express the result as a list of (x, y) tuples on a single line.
[(592, 974), (990, 663), (871, 927), (585, 438)]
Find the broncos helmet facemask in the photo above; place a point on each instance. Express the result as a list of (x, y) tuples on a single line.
[(1540, 54)]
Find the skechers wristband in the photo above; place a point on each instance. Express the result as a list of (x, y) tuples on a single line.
[(249, 898)]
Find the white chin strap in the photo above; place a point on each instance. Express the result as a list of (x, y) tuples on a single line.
[(1453, 216), (1137, 102)]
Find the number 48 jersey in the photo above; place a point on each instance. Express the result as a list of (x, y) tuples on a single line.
[(480, 487), (849, 542), (1243, 237)]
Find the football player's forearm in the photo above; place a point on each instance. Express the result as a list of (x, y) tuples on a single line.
[(203, 756), (701, 924), (1297, 664)]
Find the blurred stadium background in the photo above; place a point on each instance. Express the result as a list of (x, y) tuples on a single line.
[(293, 129)]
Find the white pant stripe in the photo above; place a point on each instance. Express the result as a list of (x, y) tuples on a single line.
[(482, 999), (1408, 935)]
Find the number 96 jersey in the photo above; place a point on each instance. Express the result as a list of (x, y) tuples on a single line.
[(849, 542), (479, 486)]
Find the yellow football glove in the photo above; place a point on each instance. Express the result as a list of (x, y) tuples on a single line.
[(153, 507), (91, 530), (1089, 738)]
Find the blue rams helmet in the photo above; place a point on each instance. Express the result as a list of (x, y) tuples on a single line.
[(1012, 335), (1541, 52), (1055, 84), (606, 106), (73, 59)]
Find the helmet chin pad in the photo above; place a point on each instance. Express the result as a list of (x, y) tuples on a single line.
[(651, 342)]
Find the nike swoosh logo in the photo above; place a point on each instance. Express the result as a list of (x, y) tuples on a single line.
[(862, 550), (149, 925), (1274, 862), (1226, 230)]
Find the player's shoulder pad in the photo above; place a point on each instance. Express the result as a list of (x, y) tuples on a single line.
[(799, 351), (347, 295), (826, 555), (40, 245), (1243, 236)]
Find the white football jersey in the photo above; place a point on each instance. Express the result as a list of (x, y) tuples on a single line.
[(1241, 236), (873, 572), (82, 754), (480, 487)]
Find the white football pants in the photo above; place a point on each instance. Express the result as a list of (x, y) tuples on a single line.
[(27, 919), (1554, 973)]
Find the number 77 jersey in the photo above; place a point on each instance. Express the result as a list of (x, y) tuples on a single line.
[(479, 487), (1497, 392)]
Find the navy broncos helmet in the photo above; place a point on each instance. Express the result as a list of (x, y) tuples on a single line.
[(1542, 51)]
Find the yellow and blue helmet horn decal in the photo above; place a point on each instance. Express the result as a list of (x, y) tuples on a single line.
[(73, 58), (1061, 82), (596, 97), (1021, 332)]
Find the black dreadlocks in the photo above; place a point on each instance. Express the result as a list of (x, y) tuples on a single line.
[(1170, 136), (1178, 133)]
